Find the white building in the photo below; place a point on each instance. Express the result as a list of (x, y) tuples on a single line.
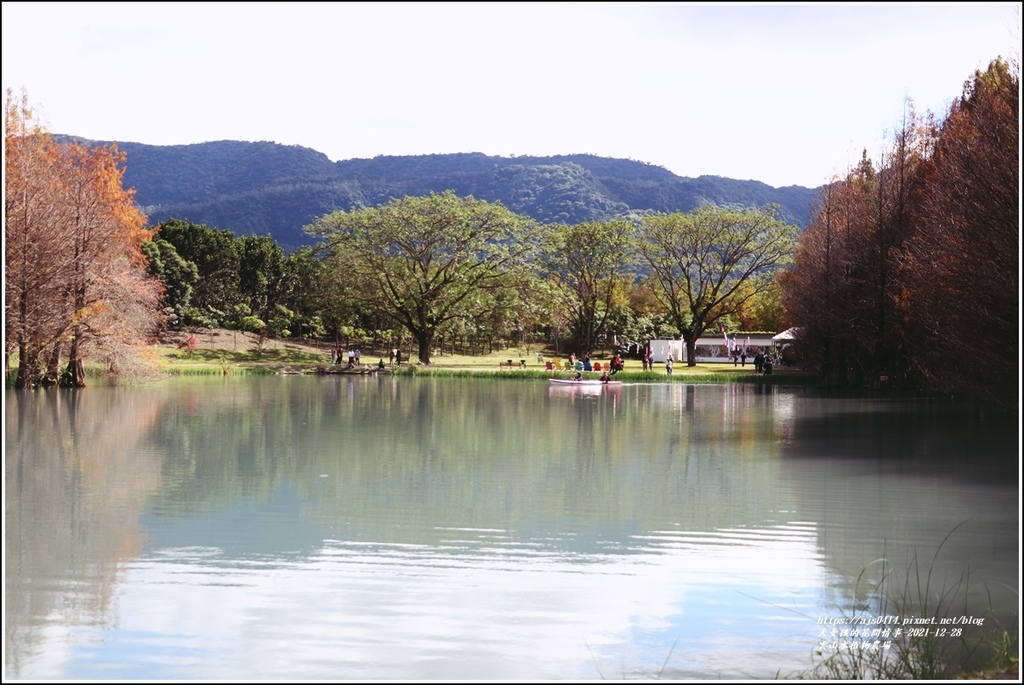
[(710, 349)]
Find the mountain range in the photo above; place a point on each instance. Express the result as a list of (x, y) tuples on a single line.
[(265, 188)]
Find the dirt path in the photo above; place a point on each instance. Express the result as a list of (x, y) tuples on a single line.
[(237, 341)]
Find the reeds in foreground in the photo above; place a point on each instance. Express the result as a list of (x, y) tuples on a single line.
[(917, 629)]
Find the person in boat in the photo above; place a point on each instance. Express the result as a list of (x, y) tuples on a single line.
[(604, 377), (579, 377)]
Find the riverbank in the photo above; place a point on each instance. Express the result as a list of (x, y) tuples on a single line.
[(221, 351)]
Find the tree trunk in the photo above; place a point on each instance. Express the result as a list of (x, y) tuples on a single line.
[(52, 374), (28, 368), (424, 338), (691, 350), (74, 374)]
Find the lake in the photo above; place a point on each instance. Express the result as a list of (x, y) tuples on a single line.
[(403, 528)]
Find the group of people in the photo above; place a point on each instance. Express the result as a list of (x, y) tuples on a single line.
[(580, 363), (616, 364), (604, 377), (584, 364), (338, 357), (762, 361)]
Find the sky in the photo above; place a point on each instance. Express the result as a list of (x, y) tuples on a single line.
[(786, 94)]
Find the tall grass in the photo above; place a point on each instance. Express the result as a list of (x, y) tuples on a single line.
[(914, 651)]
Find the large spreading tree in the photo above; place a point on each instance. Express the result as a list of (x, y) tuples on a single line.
[(587, 265), (707, 264), (429, 261)]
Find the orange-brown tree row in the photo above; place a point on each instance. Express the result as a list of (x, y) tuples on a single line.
[(75, 276), (909, 272)]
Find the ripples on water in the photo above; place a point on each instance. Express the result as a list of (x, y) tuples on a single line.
[(333, 528)]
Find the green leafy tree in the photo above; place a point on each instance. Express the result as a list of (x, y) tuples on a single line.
[(585, 261), (252, 324), (706, 264), (764, 311), (177, 275), (280, 323), (424, 260), (308, 289), (216, 256), (261, 274)]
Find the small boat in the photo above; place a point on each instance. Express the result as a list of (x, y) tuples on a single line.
[(582, 381)]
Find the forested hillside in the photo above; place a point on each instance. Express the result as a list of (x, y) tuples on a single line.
[(264, 188)]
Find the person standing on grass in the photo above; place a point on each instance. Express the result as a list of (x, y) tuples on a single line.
[(617, 363), (668, 365)]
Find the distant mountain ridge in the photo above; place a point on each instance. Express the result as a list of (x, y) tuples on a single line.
[(265, 188)]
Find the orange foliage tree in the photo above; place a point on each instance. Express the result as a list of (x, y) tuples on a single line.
[(909, 274), (960, 273), (823, 292), (75, 281)]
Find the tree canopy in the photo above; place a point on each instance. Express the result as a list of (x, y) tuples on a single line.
[(908, 273), (429, 260), (75, 279), (707, 264), (587, 263)]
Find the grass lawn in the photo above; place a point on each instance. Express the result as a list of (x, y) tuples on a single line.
[(227, 352)]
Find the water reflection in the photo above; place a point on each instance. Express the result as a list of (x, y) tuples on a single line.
[(365, 528)]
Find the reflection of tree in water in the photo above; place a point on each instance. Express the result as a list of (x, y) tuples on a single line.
[(514, 457), (76, 482), (364, 453)]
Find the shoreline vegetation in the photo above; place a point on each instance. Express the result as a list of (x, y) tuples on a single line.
[(226, 352), (906, 606)]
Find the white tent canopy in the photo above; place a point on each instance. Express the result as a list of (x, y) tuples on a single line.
[(787, 335)]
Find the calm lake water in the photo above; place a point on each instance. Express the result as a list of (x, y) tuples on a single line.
[(363, 528)]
